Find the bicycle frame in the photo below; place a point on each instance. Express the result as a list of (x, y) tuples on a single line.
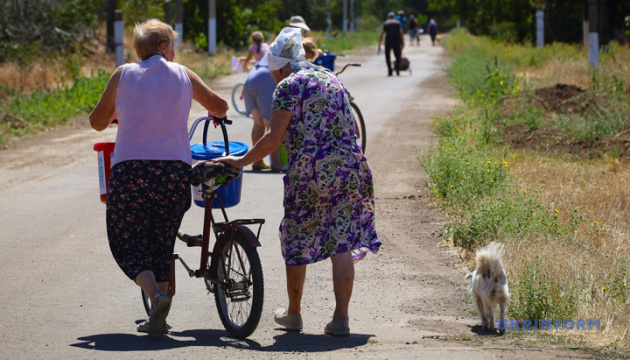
[(209, 223), (218, 228)]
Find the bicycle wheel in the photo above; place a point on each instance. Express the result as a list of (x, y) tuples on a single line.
[(358, 117), (240, 302), (238, 99)]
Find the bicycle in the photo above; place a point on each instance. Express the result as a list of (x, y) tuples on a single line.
[(238, 99), (359, 123), (232, 271)]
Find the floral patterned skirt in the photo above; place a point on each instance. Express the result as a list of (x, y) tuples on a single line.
[(146, 202), (329, 209)]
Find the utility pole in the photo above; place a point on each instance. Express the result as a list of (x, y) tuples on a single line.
[(212, 27), (540, 28), (328, 20), (345, 16), (119, 37), (593, 35), (110, 44), (168, 12), (179, 24), (352, 24)]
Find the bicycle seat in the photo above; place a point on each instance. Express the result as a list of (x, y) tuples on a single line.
[(212, 173)]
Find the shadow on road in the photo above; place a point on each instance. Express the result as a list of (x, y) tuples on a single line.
[(288, 341), (479, 330)]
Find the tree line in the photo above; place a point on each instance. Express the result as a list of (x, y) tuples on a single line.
[(30, 28)]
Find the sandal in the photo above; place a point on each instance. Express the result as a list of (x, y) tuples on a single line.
[(143, 327), (283, 169), (257, 167), (159, 311)]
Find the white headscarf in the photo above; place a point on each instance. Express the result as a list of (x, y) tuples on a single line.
[(289, 44)]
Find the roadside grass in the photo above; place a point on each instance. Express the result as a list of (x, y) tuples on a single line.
[(338, 43), (564, 218)]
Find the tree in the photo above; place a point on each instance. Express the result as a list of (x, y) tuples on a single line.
[(29, 28)]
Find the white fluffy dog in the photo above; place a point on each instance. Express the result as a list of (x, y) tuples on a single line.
[(489, 284)]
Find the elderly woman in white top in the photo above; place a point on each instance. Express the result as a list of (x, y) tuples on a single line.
[(328, 188), (149, 188)]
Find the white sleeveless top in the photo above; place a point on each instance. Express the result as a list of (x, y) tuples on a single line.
[(153, 103)]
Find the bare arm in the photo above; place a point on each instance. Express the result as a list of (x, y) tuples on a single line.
[(216, 105), (104, 109), (269, 142), (402, 38), (246, 61)]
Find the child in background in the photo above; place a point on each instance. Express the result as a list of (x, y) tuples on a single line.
[(310, 49), (257, 50)]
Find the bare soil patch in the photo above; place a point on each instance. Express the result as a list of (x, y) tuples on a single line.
[(563, 99)]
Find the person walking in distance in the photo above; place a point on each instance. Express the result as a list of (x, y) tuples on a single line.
[(414, 30), (432, 30), (394, 41)]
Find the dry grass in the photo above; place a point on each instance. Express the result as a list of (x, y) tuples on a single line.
[(50, 74), (577, 71), (591, 258)]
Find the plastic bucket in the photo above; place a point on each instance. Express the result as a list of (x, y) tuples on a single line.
[(104, 151), (229, 194), (327, 61), (283, 155)]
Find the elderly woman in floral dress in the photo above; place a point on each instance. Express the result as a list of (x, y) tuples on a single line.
[(328, 188)]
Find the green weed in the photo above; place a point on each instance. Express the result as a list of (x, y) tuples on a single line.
[(43, 109), (537, 295)]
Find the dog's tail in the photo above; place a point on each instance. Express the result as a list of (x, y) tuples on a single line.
[(490, 256)]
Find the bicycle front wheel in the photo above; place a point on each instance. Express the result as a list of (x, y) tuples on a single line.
[(360, 128), (238, 99), (240, 299)]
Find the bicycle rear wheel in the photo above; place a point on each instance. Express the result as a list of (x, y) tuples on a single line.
[(360, 129), (240, 301), (238, 99)]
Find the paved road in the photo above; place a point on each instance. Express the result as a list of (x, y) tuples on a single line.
[(62, 295)]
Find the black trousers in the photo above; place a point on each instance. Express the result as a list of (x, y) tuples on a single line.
[(396, 49)]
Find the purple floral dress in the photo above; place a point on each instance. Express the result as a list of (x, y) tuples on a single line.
[(328, 188)]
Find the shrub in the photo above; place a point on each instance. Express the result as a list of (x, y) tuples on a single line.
[(536, 295)]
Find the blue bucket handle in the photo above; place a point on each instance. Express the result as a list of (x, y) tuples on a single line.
[(217, 122)]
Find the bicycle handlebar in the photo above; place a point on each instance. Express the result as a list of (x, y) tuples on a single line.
[(217, 122), (345, 66)]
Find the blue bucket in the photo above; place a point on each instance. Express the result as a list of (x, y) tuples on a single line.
[(327, 61), (229, 194)]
